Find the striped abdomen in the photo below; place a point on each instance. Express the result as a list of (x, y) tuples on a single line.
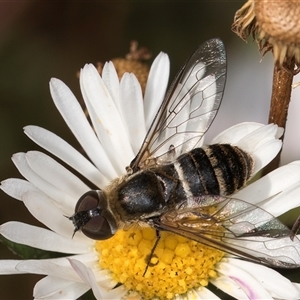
[(219, 169)]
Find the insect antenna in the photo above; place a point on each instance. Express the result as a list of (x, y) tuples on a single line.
[(75, 229)]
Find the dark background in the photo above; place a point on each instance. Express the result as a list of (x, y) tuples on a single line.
[(44, 39)]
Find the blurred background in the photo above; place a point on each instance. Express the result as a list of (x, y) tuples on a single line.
[(44, 39)]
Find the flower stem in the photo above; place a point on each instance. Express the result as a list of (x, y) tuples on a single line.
[(280, 100), (281, 93)]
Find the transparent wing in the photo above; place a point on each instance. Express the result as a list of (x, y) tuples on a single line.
[(188, 109), (236, 227)]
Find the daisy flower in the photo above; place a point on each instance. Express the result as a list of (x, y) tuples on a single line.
[(114, 268)]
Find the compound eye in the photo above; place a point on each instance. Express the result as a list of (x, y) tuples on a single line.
[(87, 201), (92, 216), (97, 228)]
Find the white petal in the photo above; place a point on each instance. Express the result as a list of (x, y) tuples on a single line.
[(266, 153), (8, 266), (87, 276), (234, 133), (249, 284), (19, 159), (64, 151), (156, 86), (283, 202), (191, 294), (205, 293), (21, 162), (296, 286), (111, 80), (48, 267), (258, 137), (88, 259), (58, 267), (271, 184), (262, 144), (229, 286), (16, 187), (132, 110), (116, 293), (103, 277), (41, 238), (49, 213), (276, 284), (57, 175), (106, 119), (75, 118), (51, 287)]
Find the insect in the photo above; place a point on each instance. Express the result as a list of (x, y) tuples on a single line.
[(175, 185)]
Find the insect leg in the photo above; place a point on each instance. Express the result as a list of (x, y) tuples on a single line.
[(152, 251), (295, 228)]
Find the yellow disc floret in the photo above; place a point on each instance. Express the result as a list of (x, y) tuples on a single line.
[(176, 266)]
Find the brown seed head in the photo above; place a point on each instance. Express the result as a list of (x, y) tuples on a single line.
[(274, 24), (133, 63)]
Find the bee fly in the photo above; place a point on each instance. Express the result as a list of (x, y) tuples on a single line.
[(175, 185)]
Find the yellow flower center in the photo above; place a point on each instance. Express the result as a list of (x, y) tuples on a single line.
[(177, 265)]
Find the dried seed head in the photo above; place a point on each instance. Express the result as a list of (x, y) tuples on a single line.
[(274, 25), (134, 62), (138, 68)]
